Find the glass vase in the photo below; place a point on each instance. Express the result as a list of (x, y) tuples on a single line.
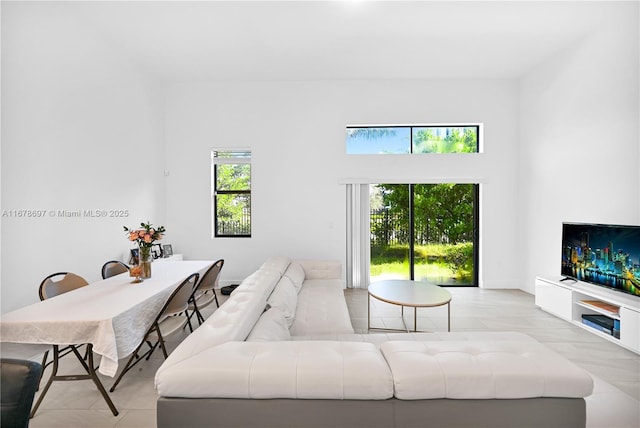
[(145, 261)]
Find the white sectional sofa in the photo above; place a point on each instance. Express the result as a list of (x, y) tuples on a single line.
[(281, 352)]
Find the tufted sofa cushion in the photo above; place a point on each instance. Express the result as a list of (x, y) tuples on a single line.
[(233, 320), (295, 273), (270, 326), (262, 370), (321, 309), (285, 297), (482, 370), (261, 282), (276, 263)]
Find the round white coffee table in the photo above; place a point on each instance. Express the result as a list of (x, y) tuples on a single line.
[(415, 294)]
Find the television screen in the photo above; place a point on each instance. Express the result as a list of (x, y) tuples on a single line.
[(604, 255)]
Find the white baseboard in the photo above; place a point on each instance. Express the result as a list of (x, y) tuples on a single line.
[(501, 284)]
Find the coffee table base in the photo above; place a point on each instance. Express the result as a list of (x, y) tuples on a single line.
[(415, 319)]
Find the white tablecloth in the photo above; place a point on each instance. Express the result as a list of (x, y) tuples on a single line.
[(112, 314)]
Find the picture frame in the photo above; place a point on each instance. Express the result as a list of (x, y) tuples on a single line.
[(134, 257), (168, 250), (156, 250)]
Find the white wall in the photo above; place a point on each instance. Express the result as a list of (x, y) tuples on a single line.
[(297, 133), (579, 140), (82, 129)]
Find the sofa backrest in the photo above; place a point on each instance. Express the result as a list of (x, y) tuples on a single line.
[(232, 321), (276, 263)]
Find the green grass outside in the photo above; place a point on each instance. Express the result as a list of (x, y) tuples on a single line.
[(433, 261)]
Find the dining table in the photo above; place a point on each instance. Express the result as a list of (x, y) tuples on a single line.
[(110, 316)]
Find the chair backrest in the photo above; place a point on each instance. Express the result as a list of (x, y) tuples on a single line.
[(112, 268), (179, 300), (50, 287), (18, 383), (211, 276)]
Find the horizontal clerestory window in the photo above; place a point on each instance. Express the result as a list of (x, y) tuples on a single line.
[(421, 139)]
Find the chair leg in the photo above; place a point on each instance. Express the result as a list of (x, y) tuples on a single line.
[(198, 314), (161, 342), (195, 311), (186, 314), (215, 296), (152, 350), (129, 366), (125, 370)]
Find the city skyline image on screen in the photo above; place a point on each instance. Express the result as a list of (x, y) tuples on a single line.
[(605, 255)]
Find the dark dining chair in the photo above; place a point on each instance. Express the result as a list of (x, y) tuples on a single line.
[(18, 383)]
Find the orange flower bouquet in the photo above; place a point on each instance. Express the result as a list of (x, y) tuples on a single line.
[(145, 236)]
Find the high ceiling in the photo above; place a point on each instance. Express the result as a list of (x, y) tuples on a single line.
[(303, 40)]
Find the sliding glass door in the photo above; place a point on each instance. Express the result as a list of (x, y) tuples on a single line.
[(426, 232)]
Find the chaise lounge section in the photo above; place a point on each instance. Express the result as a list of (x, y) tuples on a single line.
[(281, 352)]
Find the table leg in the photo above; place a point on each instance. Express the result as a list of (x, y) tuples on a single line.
[(449, 316), (415, 318), (404, 323), (94, 377), (54, 372), (91, 374)]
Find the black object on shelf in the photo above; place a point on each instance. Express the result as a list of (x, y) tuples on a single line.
[(600, 322)]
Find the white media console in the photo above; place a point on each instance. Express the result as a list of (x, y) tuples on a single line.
[(570, 300)]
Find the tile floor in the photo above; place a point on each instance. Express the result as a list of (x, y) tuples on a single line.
[(614, 404)]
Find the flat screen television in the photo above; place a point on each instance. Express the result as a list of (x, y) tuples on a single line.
[(604, 255)]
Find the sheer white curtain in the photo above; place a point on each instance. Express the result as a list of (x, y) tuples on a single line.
[(358, 236)]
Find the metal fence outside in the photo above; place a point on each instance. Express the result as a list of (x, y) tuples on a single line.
[(235, 227), (388, 228)]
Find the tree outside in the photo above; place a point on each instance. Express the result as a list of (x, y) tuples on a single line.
[(445, 140), (412, 139), (444, 225), (233, 199)]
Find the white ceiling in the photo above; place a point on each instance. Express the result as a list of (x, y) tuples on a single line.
[(304, 40)]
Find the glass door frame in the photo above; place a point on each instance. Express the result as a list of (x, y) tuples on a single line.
[(476, 234)]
